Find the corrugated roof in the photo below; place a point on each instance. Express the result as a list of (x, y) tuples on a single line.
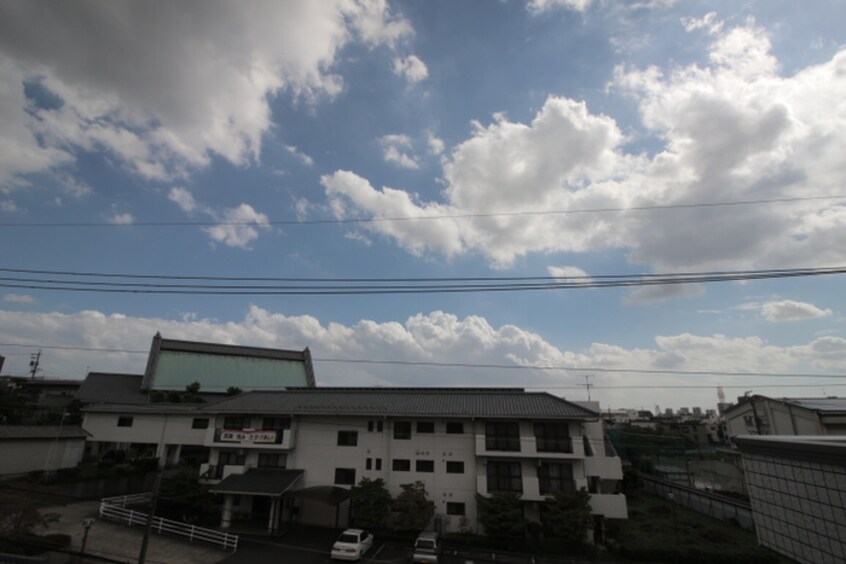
[(422, 402), (261, 481), (22, 432), (823, 405), (103, 387)]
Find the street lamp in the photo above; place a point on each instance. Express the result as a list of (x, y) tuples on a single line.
[(86, 524)]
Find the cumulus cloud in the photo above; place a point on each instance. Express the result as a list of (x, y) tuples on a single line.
[(125, 218), (305, 159), (436, 144), (567, 272), (411, 67), (19, 299), (787, 310), (164, 115), (436, 336), (397, 149), (664, 293), (8, 206), (538, 6), (238, 227), (733, 129)]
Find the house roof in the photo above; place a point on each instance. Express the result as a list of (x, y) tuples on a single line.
[(826, 406), (827, 449), (823, 405), (420, 402), (104, 387), (51, 432), (259, 481)]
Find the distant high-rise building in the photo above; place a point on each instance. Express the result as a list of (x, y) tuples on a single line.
[(697, 411), (668, 412), (684, 411)]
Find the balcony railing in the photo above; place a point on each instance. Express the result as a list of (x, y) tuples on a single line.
[(554, 444)]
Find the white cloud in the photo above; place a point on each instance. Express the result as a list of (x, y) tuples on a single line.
[(789, 310), (183, 198), (567, 272), (435, 143), (733, 129), (709, 22), (305, 159), (411, 67), (538, 6), (164, 115), (436, 336), (397, 149), (121, 219), (8, 206), (19, 299), (238, 227)]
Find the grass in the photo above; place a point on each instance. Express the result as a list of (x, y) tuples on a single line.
[(660, 531)]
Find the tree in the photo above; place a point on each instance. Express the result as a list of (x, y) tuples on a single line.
[(371, 503), (501, 515), (414, 510), (12, 405), (233, 391), (183, 498), (566, 515)]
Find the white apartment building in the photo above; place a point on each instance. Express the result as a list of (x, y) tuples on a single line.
[(292, 455)]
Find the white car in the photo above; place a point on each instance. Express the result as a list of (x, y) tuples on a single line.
[(352, 544)]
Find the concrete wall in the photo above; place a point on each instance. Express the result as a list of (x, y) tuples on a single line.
[(31, 455)]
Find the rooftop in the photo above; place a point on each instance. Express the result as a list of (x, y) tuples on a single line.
[(51, 432)]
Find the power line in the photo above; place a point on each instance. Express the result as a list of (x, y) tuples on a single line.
[(373, 286), (488, 366), (296, 222)]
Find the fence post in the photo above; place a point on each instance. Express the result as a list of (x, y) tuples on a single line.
[(191, 538)]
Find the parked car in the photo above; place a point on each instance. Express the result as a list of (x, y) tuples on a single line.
[(427, 548), (352, 544)]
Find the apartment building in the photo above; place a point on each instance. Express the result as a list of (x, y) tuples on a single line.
[(761, 415), (292, 455)]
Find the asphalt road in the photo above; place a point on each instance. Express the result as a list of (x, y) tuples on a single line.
[(260, 552)]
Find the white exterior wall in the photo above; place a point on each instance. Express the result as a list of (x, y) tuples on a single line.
[(776, 417), (318, 453), (30, 455)]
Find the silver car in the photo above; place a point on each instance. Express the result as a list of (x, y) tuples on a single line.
[(427, 548)]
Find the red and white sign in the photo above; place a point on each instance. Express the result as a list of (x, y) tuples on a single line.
[(247, 436)]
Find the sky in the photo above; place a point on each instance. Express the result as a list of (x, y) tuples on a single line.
[(370, 139)]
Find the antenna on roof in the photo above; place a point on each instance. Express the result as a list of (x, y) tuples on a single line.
[(588, 384)]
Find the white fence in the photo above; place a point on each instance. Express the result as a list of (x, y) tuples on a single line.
[(115, 509)]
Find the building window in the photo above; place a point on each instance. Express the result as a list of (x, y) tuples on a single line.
[(235, 422), (231, 458), (402, 430), (401, 465), (553, 437), (504, 476), (424, 465), (554, 477), (455, 467), (347, 438), (454, 508), (345, 476), (271, 460), (455, 428), (200, 423), (380, 425), (368, 464), (370, 426), (425, 427), (125, 421), (276, 423), (502, 435), (378, 464)]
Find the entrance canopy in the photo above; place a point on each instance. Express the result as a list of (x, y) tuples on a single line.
[(331, 495), (259, 481)]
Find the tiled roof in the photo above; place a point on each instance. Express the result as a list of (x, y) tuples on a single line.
[(823, 405), (263, 481), (22, 432), (102, 387), (420, 402)]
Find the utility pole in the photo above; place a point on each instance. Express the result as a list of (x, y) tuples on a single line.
[(34, 359), (588, 384), (142, 556)]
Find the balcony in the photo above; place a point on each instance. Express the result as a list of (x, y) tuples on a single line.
[(605, 467), (612, 506), (253, 438), (570, 448)]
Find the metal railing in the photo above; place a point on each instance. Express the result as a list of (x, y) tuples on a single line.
[(114, 509)]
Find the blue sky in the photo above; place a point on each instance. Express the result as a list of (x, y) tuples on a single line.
[(240, 115)]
